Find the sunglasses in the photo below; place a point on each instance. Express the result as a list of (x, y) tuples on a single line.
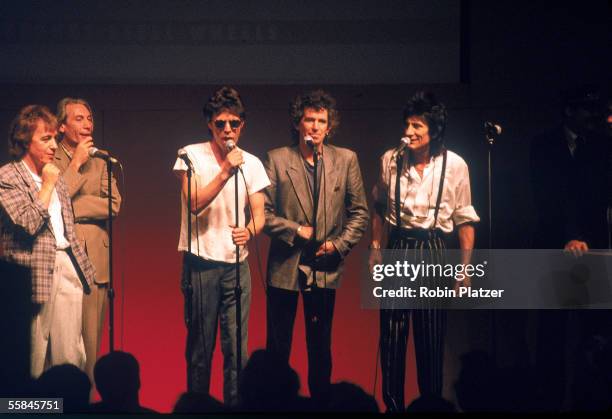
[(234, 124)]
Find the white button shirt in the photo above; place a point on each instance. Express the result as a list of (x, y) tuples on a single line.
[(418, 195)]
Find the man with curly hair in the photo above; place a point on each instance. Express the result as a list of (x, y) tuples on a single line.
[(341, 219)]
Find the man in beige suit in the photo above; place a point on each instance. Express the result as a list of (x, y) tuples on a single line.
[(87, 182)]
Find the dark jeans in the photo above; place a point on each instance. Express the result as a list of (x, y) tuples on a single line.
[(213, 301), (318, 316)]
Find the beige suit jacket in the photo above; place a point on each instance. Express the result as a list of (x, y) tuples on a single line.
[(88, 189)]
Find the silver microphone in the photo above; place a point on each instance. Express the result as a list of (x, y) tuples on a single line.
[(404, 141), (309, 141), (492, 128), (230, 145), (95, 152), (182, 154)]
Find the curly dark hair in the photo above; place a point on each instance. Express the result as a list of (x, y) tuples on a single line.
[(316, 99), (425, 105), (226, 98), (23, 126)]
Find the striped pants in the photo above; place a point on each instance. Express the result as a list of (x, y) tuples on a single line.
[(429, 324)]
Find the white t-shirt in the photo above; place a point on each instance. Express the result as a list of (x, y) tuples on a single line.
[(55, 212), (211, 234), (418, 195)]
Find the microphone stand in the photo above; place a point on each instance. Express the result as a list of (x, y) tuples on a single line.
[(490, 137), (111, 289), (187, 286), (238, 288), (315, 207)]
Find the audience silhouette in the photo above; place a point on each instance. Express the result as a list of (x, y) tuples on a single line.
[(68, 382), (117, 377)]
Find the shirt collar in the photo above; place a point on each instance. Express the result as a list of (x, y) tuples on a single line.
[(35, 176), (68, 153)]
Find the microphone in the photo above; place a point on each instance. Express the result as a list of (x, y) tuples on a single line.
[(309, 141), (492, 128), (95, 152), (404, 141), (182, 154), (230, 145)]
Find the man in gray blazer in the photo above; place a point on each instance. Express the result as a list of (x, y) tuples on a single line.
[(342, 218)]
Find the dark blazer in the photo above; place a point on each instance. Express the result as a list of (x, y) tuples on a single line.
[(342, 215), (570, 192), (26, 233)]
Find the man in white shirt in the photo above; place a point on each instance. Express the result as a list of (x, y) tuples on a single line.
[(209, 271), (37, 231), (430, 198)]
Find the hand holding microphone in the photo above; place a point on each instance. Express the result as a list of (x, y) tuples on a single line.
[(81, 152), (233, 159)]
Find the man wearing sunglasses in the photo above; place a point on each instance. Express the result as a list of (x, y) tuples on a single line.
[(209, 270), (341, 219)]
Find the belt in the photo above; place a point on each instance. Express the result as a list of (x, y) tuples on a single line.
[(77, 268), (416, 233), (99, 223)]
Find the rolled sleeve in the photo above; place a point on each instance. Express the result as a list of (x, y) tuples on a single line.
[(464, 212)]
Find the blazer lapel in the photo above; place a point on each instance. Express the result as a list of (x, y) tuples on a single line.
[(27, 178), (61, 157), (67, 214), (25, 174), (297, 176)]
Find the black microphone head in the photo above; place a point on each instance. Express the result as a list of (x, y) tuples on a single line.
[(230, 145)]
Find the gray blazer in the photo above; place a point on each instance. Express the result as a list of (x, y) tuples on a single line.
[(342, 215)]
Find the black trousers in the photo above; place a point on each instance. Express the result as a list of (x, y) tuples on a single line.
[(318, 316), (429, 324)]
